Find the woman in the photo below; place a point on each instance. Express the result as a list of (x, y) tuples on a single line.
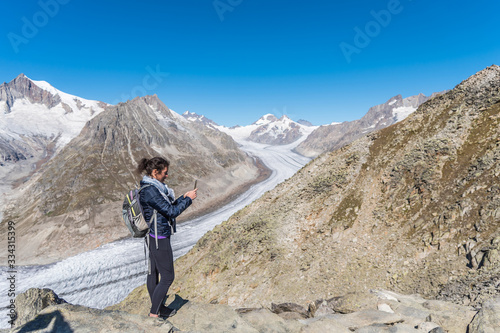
[(157, 197)]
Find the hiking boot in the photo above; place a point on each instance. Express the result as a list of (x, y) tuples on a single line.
[(167, 312)]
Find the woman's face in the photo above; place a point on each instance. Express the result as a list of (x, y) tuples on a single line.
[(160, 175)]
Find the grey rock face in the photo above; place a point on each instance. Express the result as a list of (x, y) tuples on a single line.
[(22, 87)]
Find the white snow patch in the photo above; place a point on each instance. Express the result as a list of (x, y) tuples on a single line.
[(3, 107), (71, 100), (178, 116), (402, 112), (30, 119)]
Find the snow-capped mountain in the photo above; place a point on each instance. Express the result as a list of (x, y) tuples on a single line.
[(267, 130), (34, 115), (280, 131), (196, 118)]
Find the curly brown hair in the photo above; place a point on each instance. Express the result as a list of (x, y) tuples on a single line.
[(155, 163)]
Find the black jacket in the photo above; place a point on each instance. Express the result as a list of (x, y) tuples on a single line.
[(151, 199)]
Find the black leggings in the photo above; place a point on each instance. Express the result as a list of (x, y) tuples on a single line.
[(162, 265)]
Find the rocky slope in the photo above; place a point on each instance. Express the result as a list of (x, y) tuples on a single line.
[(79, 192), (414, 208), (331, 137), (40, 310)]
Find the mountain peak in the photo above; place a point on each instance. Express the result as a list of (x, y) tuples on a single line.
[(196, 118), (481, 79), (265, 119)]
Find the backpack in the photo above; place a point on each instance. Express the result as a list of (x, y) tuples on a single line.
[(133, 215)]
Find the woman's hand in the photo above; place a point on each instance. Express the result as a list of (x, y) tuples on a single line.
[(192, 194)]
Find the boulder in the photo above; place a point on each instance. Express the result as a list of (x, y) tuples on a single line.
[(353, 302), (451, 317), (487, 320), (32, 301), (290, 311)]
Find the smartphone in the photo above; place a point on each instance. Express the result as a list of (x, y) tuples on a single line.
[(195, 184)]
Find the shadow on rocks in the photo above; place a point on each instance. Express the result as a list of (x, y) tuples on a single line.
[(50, 322), (177, 303)]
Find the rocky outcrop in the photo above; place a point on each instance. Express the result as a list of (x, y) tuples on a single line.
[(383, 311), (412, 208)]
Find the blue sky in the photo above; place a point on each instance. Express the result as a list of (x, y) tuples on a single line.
[(235, 60)]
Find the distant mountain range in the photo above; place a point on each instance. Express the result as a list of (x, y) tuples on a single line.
[(314, 140), (267, 130), (336, 135)]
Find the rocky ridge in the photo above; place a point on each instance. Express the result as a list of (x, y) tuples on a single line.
[(334, 136), (414, 208), (41, 310)]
